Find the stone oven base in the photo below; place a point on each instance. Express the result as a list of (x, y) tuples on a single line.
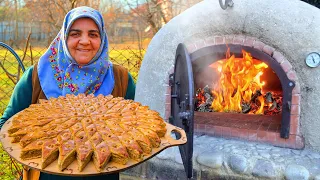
[(219, 158)]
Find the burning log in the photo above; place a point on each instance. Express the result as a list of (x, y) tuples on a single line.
[(273, 102), (239, 88), (245, 108), (273, 106), (268, 97), (255, 96), (204, 99)]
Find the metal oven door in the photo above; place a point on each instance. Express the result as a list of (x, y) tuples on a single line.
[(182, 103)]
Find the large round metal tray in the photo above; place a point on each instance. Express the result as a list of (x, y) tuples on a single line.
[(14, 149)]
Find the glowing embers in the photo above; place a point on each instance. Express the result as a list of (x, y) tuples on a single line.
[(239, 87)]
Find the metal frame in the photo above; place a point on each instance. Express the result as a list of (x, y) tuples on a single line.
[(14, 54)]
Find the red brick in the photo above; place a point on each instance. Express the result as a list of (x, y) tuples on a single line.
[(191, 47), (168, 98), (261, 135), (252, 135), (299, 142), (286, 66), (166, 116), (294, 124), (296, 98), (241, 133), (238, 39), (219, 40), (210, 41), (258, 45), (278, 56), (268, 49), (225, 132), (295, 110), (249, 41), (292, 75), (216, 131), (200, 44), (201, 128), (168, 90), (291, 142), (229, 39), (167, 106), (271, 136), (296, 89)]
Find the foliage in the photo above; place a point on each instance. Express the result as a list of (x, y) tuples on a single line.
[(9, 169)]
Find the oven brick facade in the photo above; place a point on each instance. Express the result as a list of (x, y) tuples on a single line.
[(259, 133)]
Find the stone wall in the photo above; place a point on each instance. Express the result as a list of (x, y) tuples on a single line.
[(220, 158)]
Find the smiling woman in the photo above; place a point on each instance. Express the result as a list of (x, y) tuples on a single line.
[(76, 62), (83, 40)]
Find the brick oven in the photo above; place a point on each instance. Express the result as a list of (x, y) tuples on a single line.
[(276, 35), (277, 123)]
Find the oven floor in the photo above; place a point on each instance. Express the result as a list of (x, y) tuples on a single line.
[(260, 128), (239, 121)]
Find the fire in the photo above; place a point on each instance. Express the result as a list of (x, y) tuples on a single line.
[(238, 84)]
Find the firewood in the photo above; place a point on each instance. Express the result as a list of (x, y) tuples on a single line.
[(255, 95), (245, 107), (269, 97)]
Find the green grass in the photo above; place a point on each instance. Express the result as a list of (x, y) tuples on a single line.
[(8, 168)]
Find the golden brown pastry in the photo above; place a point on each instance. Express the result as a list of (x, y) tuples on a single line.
[(50, 152), (86, 128)]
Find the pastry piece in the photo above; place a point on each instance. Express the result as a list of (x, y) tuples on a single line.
[(161, 131), (41, 121), (151, 135), (101, 156), (84, 153), (70, 122), (65, 135), (118, 151), (115, 127), (142, 140), (133, 148), (67, 154), (32, 151), (15, 127), (90, 130), (131, 107), (50, 152), (151, 120), (106, 117), (32, 136), (86, 121), (75, 128), (21, 132), (112, 102), (95, 139), (80, 137)]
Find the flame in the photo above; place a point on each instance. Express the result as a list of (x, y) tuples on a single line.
[(239, 80)]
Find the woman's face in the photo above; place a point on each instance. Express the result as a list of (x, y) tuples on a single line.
[(83, 40)]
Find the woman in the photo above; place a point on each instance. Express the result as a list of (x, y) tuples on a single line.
[(75, 62)]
